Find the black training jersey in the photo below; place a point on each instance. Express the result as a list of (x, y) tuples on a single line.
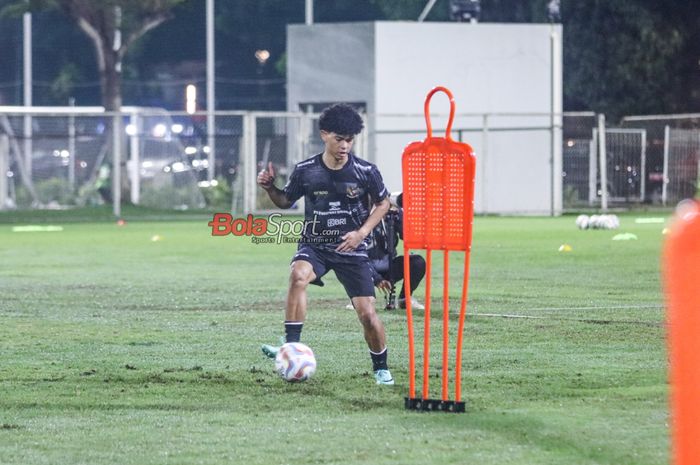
[(336, 201)]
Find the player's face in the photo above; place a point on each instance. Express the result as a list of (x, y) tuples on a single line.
[(337, 145)]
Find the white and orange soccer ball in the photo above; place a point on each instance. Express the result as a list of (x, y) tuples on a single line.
[(295, 362)]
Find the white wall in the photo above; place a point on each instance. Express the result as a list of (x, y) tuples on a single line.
[(494, 67), (330, 63), (490, 68)]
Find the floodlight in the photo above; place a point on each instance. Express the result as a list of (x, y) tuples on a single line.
[(191, 99), (262, 56), (554, 11)]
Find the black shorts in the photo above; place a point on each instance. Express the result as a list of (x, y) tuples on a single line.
[(353, 271)]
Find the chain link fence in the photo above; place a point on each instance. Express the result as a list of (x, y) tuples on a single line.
[(63, 157), (579, 165), (651, 160), (673, 154)]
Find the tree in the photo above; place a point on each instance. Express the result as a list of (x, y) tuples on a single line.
[(620, 58), (112, 26)]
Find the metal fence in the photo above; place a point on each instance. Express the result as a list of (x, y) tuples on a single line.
[(602, 171), (579, 165), (63, 157), (674, 155), (649, 160)]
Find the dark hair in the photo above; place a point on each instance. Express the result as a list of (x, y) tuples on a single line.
[(341, 119)]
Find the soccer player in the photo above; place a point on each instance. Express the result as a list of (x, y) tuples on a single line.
[(345, 199)]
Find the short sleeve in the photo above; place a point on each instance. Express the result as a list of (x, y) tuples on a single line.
[(294, 189), (376, 189)]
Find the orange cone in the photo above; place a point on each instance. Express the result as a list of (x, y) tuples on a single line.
[(682, 284)]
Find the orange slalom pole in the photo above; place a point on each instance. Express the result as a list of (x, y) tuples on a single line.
[(460, 330), (682, 283), (426, 335), (409, 322), (445, 325)]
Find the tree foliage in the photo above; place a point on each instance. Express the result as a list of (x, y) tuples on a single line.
[(620, 56), (112, 26)]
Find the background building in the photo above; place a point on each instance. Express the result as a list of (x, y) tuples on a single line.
[(494, 71)]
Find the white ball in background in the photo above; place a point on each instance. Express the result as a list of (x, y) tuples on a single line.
[(597, 222), (582, 221), (605, 222), (610, 221), (615, 222)]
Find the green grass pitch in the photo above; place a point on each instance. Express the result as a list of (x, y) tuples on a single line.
[(119, 349)]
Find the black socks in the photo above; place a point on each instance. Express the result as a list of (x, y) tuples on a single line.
[(379, 360), (292, 331)]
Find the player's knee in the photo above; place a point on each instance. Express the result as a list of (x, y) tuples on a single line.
[(300, 277), (366, 313), (417, 261), (368, 320), (417, 264)]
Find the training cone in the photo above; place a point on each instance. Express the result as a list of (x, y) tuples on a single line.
[(681, 282)]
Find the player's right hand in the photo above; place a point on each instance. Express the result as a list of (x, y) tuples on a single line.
[(266, 177)]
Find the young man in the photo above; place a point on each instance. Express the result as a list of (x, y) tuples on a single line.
[(335, 185)]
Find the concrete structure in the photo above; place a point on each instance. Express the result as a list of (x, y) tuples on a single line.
[(506, 79)]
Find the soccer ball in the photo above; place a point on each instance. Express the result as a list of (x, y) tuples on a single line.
[(598, 222), (295, 362), (582, 221), (613, 222)]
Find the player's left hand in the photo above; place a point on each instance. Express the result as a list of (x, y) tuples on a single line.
[(384, 286), (350, 242)]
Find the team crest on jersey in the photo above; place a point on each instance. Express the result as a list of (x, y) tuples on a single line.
[(352, 192)]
